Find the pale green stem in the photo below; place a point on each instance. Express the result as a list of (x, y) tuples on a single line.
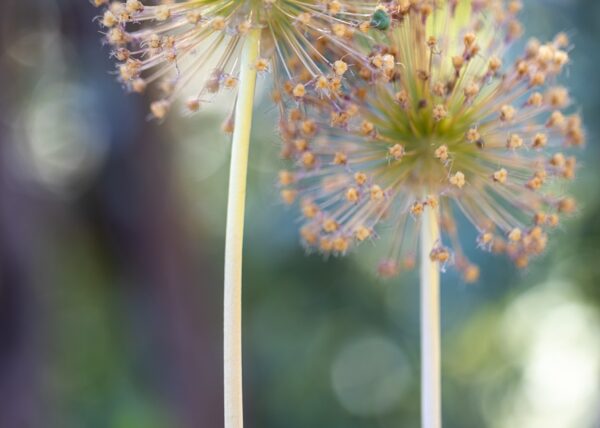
[(232, 310), (431, 394)]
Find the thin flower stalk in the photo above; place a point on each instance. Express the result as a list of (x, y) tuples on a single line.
[(431, 384), (234, 237)]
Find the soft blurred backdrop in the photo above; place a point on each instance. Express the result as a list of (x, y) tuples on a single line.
[(111, 253)]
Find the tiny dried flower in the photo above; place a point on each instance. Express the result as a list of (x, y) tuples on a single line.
[(451, 126), (171, 42)]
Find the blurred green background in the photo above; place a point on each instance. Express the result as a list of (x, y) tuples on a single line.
[(111, 253)]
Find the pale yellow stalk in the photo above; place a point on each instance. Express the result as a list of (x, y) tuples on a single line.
[(431, 394), (232, 310)]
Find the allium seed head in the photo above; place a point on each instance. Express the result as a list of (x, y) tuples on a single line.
[(175, 41), (440, 120)]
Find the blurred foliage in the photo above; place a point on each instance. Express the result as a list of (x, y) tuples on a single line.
[(111, 232)]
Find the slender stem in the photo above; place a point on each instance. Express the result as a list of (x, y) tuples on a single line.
[(232, 310), (431, 395)]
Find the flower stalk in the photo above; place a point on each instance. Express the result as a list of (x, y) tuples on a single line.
[(232, 308), (430, 322)]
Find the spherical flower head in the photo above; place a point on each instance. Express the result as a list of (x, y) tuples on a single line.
[(171, 42), (437, 118)]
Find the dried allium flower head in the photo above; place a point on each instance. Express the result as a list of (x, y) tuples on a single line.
[(172, 42), (436, 118)]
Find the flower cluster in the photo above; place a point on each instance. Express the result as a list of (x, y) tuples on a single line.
[(435, 118), (173, 42)]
